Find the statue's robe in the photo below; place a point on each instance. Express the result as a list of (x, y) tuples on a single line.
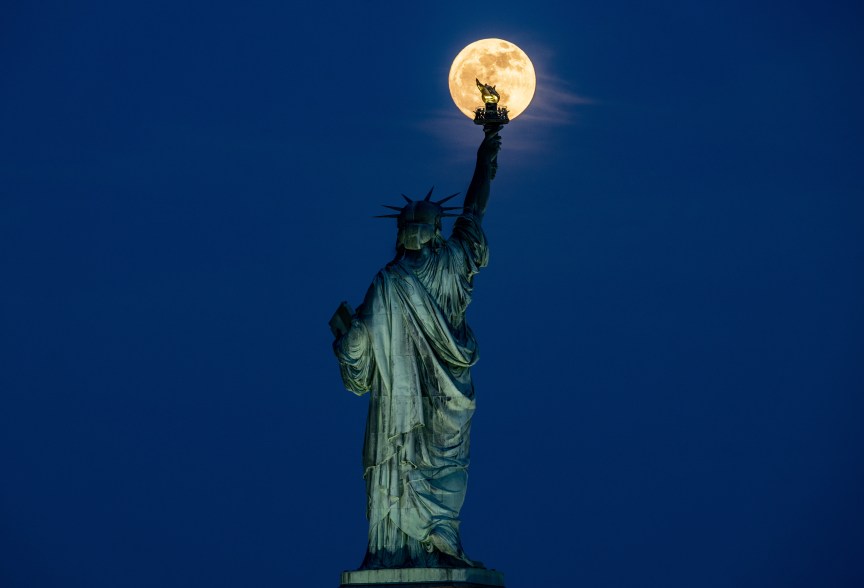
[(410, 347)]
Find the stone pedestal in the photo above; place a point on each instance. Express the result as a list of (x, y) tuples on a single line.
[(423, 578)]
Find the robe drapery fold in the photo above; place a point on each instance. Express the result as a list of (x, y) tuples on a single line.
[(409, 346)]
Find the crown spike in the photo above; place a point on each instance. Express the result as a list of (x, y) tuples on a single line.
[(407, 199), (429, 195), (386, 216), (397, 208), (443, 200)]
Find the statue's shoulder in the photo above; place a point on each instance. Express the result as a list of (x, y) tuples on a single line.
[(468, 240), (467, 229), (390, 274), (467, 225)]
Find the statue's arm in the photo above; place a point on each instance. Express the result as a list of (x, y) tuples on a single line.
[(356, 361), (477, 196), (353, 344)]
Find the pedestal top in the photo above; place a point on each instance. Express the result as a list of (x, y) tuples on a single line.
[(426, 577)]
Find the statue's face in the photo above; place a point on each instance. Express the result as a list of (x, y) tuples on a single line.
[(415, 235)]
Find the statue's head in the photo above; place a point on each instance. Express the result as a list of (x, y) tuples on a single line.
[(419, 221)]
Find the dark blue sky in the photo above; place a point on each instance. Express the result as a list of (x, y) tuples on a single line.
[(672, 326)]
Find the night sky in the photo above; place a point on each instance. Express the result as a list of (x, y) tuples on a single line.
[(671, 384)]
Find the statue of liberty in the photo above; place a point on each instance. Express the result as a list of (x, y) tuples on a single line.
[(409, 346)]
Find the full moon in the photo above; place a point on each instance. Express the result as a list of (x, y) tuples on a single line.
[(498, 63)]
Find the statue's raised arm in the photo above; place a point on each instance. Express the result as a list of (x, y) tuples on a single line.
[(477, 196)]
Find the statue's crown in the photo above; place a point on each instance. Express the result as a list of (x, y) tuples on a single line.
[(421, 212)]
